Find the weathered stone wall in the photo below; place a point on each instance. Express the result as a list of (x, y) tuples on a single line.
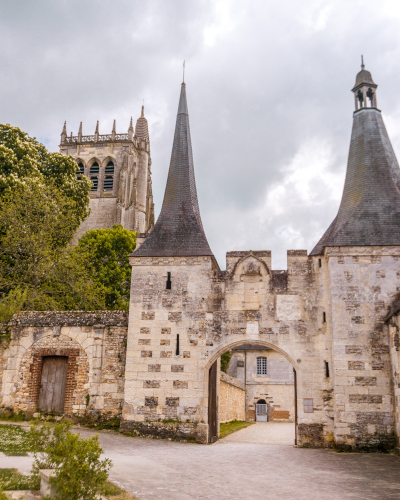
[(394, 343), (95, 344), (360, 284), (232, 399), (213, 312)]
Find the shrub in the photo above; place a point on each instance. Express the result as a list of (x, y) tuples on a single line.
[(79, 472)]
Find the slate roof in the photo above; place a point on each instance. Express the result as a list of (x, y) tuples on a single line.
[(178, 231), (142, 128), (362, 77), (369, 213)]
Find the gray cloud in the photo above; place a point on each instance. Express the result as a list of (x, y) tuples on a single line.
[(268, 87)]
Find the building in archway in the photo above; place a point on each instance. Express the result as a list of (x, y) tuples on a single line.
[(119, 166), (266, 375), (326, 314)]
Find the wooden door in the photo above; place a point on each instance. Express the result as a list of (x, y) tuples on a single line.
[(212, 404), (53, 382)]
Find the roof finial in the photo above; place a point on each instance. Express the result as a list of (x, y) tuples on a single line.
[(362, 63), (114, 128), (142, 115), (64, 130), (97, 127), (183, 72), (130, 125)]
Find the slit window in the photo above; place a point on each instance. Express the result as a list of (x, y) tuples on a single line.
[(108, 183), (324, 317), (94, 169), (319, 263), (169, 283), (110, 167), (95, 182), (261, 365), (326, 369)]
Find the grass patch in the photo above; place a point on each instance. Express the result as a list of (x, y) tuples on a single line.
[(113, 492), (235, 425), (14, 440), (13, 417), (11, 479)]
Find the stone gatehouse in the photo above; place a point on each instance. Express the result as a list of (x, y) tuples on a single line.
[(327, 314)]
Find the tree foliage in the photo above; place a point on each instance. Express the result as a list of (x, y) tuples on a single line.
[(24, 162), (105, 252), (225, 358), (36, 224), (79, 472)]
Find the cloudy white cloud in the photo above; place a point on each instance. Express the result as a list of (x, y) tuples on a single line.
[(268, 87)]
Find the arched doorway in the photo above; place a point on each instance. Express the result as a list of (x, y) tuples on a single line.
[(212, 384)]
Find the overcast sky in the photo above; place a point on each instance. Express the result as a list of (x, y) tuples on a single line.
[(268, 86)]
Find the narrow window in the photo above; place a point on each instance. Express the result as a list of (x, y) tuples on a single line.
[(95, 182), (319, 263), (169, 284), (326, 369), (324, 317), (108, 183), (261, 366), (94, 169), (109, 167), (308, 406), (177, 344), (80, 170)]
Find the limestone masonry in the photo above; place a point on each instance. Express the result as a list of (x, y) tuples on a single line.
[(119, 166), (327, 327)]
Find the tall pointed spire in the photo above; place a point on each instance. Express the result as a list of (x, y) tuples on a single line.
[(64, 133), (178, 230), (369, 213)]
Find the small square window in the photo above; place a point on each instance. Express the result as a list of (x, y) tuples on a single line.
[(308, 406)]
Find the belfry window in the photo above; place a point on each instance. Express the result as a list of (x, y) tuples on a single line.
[(108, 183), (95, 182), (261, 365), (110, 168), (80, 170), (360, 98), (370, 96), (94, 169)]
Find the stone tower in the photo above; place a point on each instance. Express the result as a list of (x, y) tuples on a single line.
[(359, 259), (172, 266), (119, 165)]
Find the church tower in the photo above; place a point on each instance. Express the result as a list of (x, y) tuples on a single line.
[(358, 263), (171, 276), (119, 166)]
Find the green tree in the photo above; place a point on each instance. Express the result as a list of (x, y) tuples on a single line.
[(225, 358), (24, 162), (79, 472), (105, 253), (36, 224)]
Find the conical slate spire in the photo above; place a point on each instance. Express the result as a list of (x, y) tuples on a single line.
[(369, 212), (178, 231)]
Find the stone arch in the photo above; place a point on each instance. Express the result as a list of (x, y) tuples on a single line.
[(229, 344), (107, 159), (29, 374)]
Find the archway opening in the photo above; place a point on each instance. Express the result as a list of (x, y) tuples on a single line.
[(253, 382)]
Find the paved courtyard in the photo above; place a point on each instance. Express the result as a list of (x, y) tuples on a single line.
[(246, 465)]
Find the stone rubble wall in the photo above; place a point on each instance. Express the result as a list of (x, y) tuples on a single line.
[(95, 344), (394, 343), (232, 399)]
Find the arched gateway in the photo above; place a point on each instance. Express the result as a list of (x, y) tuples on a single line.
[(325, 313)]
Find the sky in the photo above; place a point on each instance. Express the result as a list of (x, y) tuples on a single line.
[(268, 86)]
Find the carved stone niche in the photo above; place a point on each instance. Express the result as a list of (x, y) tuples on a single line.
[(251, 270)]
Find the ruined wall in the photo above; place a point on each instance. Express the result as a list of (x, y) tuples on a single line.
[(361, 284), (232, 399), (95, 344)]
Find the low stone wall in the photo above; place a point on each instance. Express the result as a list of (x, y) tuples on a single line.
[(95, 344), (167, 430), (232, 399)]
